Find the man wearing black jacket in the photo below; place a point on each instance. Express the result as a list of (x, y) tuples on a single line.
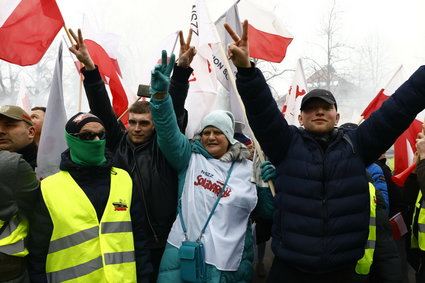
[(136, 149), (17, 133)]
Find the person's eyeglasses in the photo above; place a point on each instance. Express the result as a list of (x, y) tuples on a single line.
[(89, 136)]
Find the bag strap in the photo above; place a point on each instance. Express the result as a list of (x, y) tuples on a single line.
[(212, 210)]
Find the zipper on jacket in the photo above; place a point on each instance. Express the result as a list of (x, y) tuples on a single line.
[(324, 201), (136, 169)]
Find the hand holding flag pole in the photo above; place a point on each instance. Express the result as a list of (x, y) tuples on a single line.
[(238, 52)]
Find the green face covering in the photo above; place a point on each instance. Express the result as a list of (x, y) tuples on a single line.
[(87, 153)]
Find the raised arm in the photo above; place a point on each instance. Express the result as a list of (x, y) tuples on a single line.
[(377, 133), (265, 119), (179, 84), (97, 96), (172, 142)]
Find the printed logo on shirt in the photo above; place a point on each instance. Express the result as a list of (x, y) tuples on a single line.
[(120, 205), (203, 181)]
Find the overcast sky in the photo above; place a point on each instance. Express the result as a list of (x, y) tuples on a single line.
[(399, 26)]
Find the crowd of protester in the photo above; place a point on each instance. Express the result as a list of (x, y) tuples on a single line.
[(144, 203)]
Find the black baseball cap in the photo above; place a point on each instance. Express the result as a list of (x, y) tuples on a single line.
[(322, 94)]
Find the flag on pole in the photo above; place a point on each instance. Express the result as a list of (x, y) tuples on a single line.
[(203, 82), (110, 75), (231, 17), (27, 28), (52, 140), (103, 49), (168, 44), (396, 81), (268, 38), (405, 146), (291, 108), (22, 100)]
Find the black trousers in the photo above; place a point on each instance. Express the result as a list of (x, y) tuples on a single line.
[(156, 255), (281, 272)]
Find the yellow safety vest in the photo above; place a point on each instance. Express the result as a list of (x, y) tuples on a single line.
[(12, 237), (81, 249), (364, 264), (420, 208)]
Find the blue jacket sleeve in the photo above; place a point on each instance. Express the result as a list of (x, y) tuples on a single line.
[(173, 144), (379, 182), (377, 133), (270, 128)]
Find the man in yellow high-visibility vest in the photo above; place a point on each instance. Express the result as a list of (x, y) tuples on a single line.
[(88, 226), (18, 190)]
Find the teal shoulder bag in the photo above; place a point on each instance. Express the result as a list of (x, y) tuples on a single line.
[(192, 255)]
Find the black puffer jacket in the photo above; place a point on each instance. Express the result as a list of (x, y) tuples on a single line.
[(154, 178), (322, 200)]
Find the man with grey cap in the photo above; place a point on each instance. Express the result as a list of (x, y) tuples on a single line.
[(321, 223), (17, 133)]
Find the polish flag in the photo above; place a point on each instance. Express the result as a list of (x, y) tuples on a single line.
[(298, 88), (383, 94), (268, 38), (110, 75), (203, 81), (405, 146), (232, 103), (27, 28)]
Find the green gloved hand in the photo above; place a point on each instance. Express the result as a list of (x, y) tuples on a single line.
[(268, 171), (160, 75)]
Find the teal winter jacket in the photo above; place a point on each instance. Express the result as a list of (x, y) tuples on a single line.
[(178, 150)]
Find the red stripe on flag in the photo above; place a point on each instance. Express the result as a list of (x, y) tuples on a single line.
[(267, 46), (375, 104), (401, 156), (108, 69), (29, 30)]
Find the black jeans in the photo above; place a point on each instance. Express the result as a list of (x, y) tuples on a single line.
[(281, 272), (156, 255)]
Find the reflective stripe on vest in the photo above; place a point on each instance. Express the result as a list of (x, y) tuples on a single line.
[(364, 264), (420, 208), (12, 237), (82, 249)]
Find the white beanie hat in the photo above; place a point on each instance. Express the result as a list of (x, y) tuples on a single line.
[(222, 120)]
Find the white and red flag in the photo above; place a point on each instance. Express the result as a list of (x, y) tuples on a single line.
[(298, 88), (203, 82), (405, 145), (268, 38), (27, 28), (52, 140), (396, 81), (231, 17)]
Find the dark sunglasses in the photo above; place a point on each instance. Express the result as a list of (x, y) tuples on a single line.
[(89, 136)]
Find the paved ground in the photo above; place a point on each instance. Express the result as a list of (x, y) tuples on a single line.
[(268, 259)]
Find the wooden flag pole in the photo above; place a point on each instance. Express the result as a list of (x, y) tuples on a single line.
[(125, 112), (233, 81)]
